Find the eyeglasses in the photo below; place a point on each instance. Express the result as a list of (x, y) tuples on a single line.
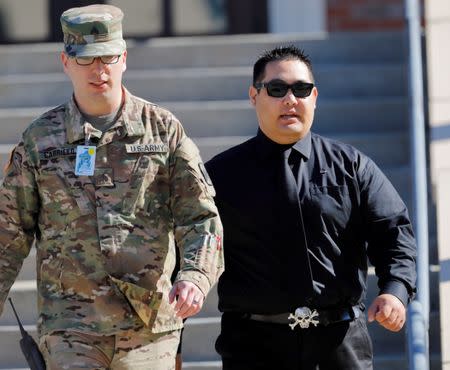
[(278, 89), (105, 59)]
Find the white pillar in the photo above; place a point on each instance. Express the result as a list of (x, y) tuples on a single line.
[(293, 16), (437, 19)]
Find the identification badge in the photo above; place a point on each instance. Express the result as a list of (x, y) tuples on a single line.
[(85, 160)]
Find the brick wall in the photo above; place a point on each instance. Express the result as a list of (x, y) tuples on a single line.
[(365, 15)]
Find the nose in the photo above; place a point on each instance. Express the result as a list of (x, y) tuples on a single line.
[(98, 66), (289, 98)]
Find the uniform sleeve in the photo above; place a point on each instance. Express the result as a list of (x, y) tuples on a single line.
[(391, 243), (198, 229), (18, 213)]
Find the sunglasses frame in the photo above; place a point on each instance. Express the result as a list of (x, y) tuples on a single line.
[(306, 86), (103, 59)]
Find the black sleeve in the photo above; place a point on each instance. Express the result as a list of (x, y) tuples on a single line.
[(391, 245)]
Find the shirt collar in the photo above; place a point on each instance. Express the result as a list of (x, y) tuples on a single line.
[(77, 126), (268, 148), (303, 146)]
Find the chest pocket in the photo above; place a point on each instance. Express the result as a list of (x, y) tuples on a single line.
[(77, 187), (63, 196), (143, 175), (333, 202)]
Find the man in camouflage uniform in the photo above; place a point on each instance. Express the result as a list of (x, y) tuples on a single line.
[(106, 240)]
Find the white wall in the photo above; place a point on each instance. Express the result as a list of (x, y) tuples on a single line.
[(437, 19)]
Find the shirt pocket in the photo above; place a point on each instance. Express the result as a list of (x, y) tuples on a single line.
[(332, 202), (141, 178), (63, 198)]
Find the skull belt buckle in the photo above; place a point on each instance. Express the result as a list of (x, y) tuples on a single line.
[(303, 317)]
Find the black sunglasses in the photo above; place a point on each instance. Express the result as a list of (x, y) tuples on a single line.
[(278, 89)]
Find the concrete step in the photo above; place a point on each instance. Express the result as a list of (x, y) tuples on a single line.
[(243, 50), (28, 270), (10, 353), (199, 338), (202, 365), (24, 297), (198, 84), (239, 50), (237, 117)]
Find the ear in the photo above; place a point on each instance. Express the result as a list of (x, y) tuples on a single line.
[(124, 62), (252, 93), (64, 61), (315, 94)]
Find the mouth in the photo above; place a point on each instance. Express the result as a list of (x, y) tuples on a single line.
[(290, 117), (98, 83)]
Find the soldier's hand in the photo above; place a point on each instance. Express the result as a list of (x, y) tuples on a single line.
[(389, 311), (189, 298)]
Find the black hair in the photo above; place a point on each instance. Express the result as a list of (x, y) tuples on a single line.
[(289, 52)]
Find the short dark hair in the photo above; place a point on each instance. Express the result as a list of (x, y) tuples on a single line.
[(289, 52)]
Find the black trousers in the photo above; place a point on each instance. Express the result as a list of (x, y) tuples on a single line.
[(253, 345)]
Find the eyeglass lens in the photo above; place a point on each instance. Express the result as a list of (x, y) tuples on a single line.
[(279, 89), (105, 59)]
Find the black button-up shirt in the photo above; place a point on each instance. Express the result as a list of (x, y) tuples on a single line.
[(351, 213)]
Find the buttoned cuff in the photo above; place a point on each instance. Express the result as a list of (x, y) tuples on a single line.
[(197, 278), (397, 289)]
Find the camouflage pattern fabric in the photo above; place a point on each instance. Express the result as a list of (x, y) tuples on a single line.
[(93, 30), (128, 350), (106, 243)]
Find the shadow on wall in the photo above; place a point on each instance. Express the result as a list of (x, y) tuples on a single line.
[(440, 132), (445, 270)]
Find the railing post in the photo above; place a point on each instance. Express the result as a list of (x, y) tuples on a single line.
[(417, 338), (418, 320)]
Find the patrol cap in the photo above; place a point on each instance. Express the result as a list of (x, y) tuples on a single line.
[(93, 30)]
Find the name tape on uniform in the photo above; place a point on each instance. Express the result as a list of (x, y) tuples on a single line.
[(59, 152), (147, 148)]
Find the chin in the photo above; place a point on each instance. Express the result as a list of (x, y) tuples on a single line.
[(293, 130), (286, 139)]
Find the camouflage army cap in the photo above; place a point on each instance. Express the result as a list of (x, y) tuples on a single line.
[(93, 30)]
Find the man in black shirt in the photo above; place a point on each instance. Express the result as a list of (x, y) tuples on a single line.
[(302, 216)]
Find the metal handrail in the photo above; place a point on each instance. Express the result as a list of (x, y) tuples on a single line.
[(419, 310)]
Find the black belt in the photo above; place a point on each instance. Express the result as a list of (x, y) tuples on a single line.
[(304, 317)]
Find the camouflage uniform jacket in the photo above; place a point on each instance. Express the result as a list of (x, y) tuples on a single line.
[(106, 243)]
